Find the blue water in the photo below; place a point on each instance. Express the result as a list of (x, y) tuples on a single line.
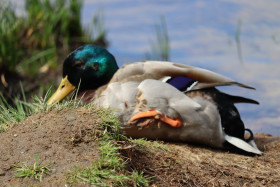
[(202, 33)]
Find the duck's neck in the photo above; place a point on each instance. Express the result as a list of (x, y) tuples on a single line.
[(86, 96)]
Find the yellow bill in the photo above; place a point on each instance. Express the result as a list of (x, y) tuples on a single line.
[(64, 89)]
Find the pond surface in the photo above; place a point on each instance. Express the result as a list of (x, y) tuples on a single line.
[(203, 33)]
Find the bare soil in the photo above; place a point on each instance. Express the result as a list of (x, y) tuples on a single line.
[(69, 138)]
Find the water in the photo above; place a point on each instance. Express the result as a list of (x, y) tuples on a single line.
[(202, 33)]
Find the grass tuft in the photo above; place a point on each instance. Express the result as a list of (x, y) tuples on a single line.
[(161, 48), (238, 41), (152, 146), (36, 170), (139, 179), (9, 115), (110, 124), (19, 110), (105, 171)]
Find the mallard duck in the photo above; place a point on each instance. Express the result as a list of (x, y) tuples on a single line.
[(158, 100)]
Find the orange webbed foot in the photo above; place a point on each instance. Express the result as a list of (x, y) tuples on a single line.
[(155, 115)]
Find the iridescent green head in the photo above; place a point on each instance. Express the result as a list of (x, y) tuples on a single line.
[(88, 67), (94, 66)]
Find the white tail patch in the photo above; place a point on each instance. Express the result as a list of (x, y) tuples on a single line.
[(241, 144)]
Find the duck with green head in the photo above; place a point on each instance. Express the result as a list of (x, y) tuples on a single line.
[(158, 100)]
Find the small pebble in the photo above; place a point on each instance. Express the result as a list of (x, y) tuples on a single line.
[(15, 135), (70, 118)]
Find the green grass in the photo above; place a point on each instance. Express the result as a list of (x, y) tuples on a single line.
[(21, 109), (9, 37), (160, 49), (49, 29), (139, 179), (110, 124), (105, 171), (36, 170), (97, 27), (11, 114), (152, 146), (238, 42)]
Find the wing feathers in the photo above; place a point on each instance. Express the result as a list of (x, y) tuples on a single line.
[(238, 99), (159, 69), (242, 145)]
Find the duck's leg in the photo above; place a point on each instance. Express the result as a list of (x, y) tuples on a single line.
[(153, 115)]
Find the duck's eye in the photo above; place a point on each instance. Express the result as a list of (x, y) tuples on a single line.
[(78, 64), (95, 66)]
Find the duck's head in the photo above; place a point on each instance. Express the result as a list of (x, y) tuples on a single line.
[(88, 67)]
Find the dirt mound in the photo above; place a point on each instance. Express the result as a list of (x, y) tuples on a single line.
[(192, 165), (63, 138), (68, 139)]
